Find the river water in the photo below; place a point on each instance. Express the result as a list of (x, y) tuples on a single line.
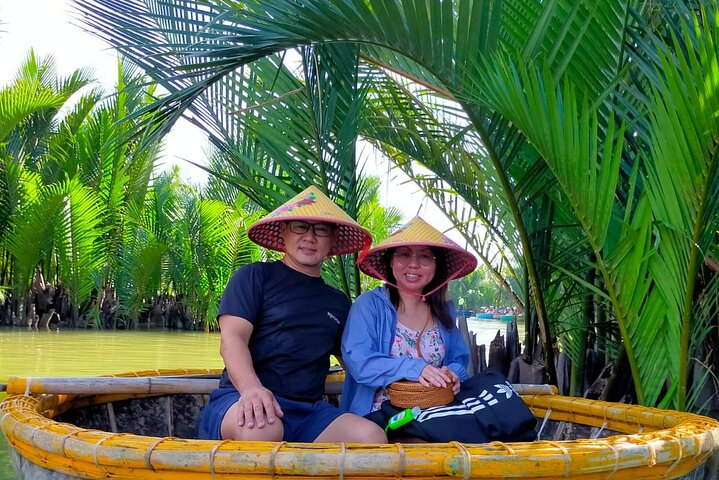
[(85, 353)]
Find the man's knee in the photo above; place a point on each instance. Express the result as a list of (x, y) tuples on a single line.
[(271, 432)]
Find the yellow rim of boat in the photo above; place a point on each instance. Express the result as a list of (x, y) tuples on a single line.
[(668, 444)]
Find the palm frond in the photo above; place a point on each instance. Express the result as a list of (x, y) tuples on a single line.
[(78, 231), (32, 235), (684, 125)]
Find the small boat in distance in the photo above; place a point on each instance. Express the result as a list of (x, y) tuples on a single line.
[(495, 316), (140, 425)]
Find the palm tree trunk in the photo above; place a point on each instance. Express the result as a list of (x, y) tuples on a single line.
[(576, 387), (75, 315), (20, 312), (615, 384), (528, 318)]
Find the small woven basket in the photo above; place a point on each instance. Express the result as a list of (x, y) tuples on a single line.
[(407, 394)]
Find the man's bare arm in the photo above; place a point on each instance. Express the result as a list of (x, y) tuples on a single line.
[(256, 403)]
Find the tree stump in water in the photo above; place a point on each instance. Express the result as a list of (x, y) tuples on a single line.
[(63, 307), (564, 373), (521, 371), (512, 340), (156, 317), (108, 307), (482, 358), (593, 366), (32, 317), (470, 339), (498, 354), (596, 389), (47, 317)]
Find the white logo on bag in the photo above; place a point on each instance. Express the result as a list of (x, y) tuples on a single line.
[(337, 320), (505, 388)]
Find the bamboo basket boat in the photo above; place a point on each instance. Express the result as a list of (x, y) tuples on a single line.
[(143, 432)]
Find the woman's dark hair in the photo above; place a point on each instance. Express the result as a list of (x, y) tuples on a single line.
[(437, 301)]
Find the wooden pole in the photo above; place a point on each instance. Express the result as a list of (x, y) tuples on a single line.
[(189, 384), (199, 384), (109, 385)]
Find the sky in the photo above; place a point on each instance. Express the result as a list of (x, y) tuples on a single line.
[(50, 28)]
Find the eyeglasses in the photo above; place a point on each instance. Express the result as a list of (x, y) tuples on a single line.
[(319, 229), (404, 257)]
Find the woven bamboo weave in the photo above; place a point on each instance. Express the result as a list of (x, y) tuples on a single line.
[(407, 394)]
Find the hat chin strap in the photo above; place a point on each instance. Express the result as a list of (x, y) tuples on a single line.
[(364, 252)]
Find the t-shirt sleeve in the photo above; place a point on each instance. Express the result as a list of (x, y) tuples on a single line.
[(243, 295)]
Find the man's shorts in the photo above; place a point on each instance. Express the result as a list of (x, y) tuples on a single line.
[(302, 421)]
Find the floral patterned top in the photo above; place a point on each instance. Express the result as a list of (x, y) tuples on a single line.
[(405, 345)]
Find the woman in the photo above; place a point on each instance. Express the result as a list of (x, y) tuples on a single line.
[(405, 329)]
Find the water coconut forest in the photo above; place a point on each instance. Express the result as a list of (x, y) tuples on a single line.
[(573, 145)]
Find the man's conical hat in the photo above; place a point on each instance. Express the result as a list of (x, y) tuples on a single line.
[(311, 205), (417, 232)]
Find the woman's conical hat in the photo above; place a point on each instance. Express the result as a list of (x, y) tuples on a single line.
[(417, 232), (311, 205)]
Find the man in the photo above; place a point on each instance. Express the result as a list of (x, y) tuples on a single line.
[(279, 323)]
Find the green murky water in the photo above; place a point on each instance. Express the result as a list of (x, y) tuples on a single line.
[(85, 353)]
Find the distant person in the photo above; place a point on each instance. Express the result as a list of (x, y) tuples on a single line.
[(406, 328), (279, 323)]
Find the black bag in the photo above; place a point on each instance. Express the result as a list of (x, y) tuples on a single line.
[(486, 409)]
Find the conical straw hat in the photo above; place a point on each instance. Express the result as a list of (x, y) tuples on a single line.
[(417, 232), (310, 205)]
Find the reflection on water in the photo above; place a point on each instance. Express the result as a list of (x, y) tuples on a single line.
[(84, 353)]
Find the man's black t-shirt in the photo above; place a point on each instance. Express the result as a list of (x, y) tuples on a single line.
[(297, 323)]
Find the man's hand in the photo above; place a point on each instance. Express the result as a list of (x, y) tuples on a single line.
[(257, 405)]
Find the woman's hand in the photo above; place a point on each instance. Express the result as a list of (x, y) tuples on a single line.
[(434, 376), (455, 379), (255, 406)]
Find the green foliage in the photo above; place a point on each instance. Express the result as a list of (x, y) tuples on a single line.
[(84, 207), (480, 290), (78, 231), (572, 142)]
